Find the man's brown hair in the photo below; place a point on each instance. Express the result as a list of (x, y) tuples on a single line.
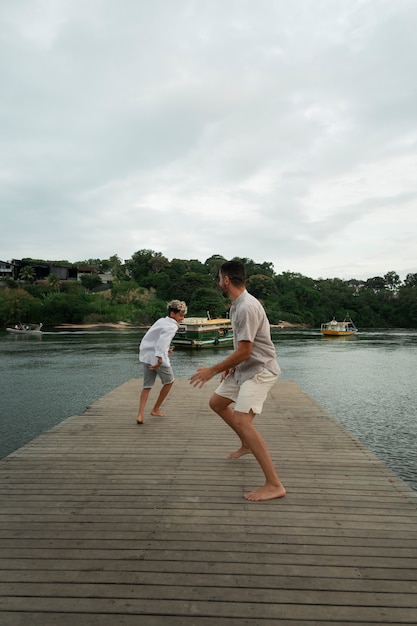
[(236, 272)]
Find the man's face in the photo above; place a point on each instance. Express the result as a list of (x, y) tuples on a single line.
[(224, 284)]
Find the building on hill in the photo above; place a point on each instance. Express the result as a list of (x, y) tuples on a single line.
[(11, 269), (6, 269)]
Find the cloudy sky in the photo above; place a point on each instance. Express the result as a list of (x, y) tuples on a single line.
[(278, 130)]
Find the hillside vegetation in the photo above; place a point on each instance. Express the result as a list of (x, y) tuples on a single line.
[(144, 284)]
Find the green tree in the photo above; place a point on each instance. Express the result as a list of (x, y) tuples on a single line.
[(186, 286), (10, 283), (177, 268), (252, 267), (28, 273), (392, 282), (163, 285), (90, 281), (65, 308), (206, 300), (261, 286), (411, 280), (406, 308), (117, 268), (158, 263), (18, 306), (91, 263), (143, 264), (213, 264), (377, 284), (53, 281)]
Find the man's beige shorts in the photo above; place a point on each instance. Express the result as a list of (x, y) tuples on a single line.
[(249, 395)]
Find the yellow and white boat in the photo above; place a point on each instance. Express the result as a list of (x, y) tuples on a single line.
[(338, 329)]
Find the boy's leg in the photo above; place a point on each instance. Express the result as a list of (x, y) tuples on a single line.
[(166, 376), (149, 377), (142, 403), (162, 395)]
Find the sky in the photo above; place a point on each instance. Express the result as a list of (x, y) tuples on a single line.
[(282, 131)]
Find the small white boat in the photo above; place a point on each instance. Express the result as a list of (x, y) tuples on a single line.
[(26, 329), (338, 329)]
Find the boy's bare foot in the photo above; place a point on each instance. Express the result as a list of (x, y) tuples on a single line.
[(267, 492), (158, 413), (238, 453), (139, 420)]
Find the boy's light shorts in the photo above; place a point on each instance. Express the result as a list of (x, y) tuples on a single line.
[(249, 395), (164, 372)]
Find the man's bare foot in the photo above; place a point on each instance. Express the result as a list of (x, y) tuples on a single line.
[(158, 413), (238, 453), (266, 492), (139, 419)]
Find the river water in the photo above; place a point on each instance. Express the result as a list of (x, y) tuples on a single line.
[(367, 382)]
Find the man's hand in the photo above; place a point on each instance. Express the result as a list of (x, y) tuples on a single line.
[(201, 376), (225, 374)]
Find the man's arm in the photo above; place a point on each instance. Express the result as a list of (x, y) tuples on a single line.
[(203, 374)]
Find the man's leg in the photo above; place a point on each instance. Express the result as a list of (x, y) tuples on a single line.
[(162, 395), (273, 487), (221, 406)]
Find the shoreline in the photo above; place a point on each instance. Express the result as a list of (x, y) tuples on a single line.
[(117, 326), (126, 326), (290, 325)]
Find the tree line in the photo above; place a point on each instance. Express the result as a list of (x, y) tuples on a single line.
[(142, 285)]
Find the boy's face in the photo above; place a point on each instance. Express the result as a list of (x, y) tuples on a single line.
[(177, 316)]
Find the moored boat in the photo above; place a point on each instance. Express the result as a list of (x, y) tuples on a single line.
[(338, 329), (25, 329), (203, 332)]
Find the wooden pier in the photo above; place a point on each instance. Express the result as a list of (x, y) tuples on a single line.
[(106, 523)]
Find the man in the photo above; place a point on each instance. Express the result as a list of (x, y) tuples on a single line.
[(154, 354), (248, 374)]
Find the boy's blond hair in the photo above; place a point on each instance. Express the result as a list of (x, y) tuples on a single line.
[(177, 306)]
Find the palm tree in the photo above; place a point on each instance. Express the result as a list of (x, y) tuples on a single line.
[(27, 273), (53, 281)]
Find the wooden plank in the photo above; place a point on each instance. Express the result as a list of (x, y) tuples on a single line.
[(105, 522)]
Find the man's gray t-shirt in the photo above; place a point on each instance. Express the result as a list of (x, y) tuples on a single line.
[(250, 323)]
